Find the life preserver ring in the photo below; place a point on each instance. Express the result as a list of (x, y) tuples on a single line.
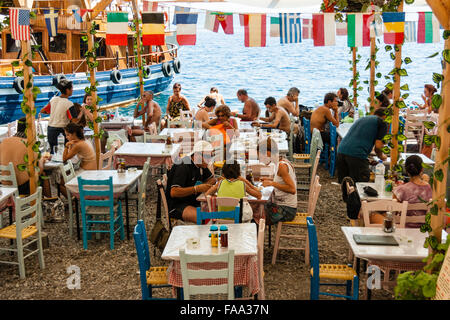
[(176, 65), (116, 76), (57, 79), (166, 69), (19, 84), (147, 72)]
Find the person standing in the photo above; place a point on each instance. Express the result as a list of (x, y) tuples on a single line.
[(365, 134), (177, 102), (290, 102), (251, 109), (322, 115), (279, 118)]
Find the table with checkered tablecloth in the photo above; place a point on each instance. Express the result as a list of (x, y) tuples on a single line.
[(241, 237)]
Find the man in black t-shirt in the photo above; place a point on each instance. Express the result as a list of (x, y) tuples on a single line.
[(182, 191)]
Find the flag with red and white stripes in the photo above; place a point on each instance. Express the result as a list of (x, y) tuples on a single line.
[(150, 6), (19, 20)]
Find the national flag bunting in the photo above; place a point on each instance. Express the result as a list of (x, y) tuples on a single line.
[(290, 28), (150, 6), (186, 28), (79, 14), (274, 26), (51, 21), (307, 29), (19, 22), (341, 28), (210, 20), (117, 29), (153, 29), (394, 27), (225, 20), (428, 28), (241, 19), (179, 10), (255, 30), (358, 30), (324, 29), (410, 31)]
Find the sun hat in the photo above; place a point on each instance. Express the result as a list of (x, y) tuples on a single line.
[(202, 146)]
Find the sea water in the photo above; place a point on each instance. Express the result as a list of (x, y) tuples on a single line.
[(222, 61)]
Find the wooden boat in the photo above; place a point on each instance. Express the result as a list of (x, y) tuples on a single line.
[(63, 57)]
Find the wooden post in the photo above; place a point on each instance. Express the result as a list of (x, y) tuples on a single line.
[(355, 87), (94, 95), (30, 117), (442, 12), (396, 97), (372, 74), (138, 42)]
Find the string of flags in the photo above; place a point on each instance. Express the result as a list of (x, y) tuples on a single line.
[(288, 27)]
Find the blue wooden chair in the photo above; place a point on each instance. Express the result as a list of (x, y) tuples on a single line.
[(97, 201), (343, 115), (333, 149), (234, 214), (151, 277), (307, 128), (328, 271)]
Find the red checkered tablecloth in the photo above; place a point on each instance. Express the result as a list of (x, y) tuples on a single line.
[(245, 273)]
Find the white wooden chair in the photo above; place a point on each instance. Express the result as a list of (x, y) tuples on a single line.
[(140, 195), (7, 178), (299, 222), (108, 157), (162, 184), (383, 206), (27, 227), (68, 173), (188, 273), (261, 228)]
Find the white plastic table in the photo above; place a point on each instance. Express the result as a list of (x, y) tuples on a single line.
[(404, 156), (343, 129), (172, 131), (117, 124), (136, 153), (382, 194)]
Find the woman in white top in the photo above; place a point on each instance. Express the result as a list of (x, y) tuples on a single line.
[(282, 205), (61, 112)]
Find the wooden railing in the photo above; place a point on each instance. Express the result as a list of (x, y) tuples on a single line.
[(41, 67)]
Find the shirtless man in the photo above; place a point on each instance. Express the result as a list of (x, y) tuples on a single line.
[(279, 118), (149, 107), (322, 115), (251, 109), (290, 102)]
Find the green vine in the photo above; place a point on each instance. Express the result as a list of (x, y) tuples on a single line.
[(137, 36), (356, 77)]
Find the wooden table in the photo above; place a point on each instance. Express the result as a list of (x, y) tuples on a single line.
[(242, 237), (121, 184), (136, 153)]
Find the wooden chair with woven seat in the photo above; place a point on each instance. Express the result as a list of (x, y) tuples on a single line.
[(108, 157), (7, 179), (382, 206), (329, 271), (299, 223), (28, 224), (306, 184), (151, 277)]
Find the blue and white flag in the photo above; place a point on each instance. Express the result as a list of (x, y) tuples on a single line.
[(179, 10), (51, 20), (290, 28), (410, 31)]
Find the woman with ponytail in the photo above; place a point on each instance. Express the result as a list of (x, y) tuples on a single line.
[(416, 190)]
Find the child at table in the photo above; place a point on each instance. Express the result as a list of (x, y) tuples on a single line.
[(232, 185)]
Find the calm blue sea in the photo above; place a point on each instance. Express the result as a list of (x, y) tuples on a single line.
[(223, 61)]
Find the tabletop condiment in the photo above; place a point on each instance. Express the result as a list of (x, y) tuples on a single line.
[(223, 236), (388, 223), (214, 232), (249, 176)]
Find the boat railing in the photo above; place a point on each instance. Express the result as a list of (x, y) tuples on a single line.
[(110, 63)]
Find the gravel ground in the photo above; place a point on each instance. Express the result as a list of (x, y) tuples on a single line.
[(108, 275)]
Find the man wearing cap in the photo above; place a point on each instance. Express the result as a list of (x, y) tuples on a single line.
[(182, 187)]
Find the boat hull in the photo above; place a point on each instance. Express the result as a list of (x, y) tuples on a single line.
[(109, 91)]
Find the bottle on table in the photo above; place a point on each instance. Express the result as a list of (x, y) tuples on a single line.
[(214, 231), (60, 144), (249, 176), (379, 176), (388, 222), (223, 236), (356, 114)]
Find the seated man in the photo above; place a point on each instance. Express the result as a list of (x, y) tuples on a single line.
[(251, 109), (290, 102), (13, 149), (149, 107), (279, 118), (356, 146), (322, 115), (181, 190)]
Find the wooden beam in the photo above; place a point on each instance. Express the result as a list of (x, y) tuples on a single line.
[(355, 87), (441, 9), (372, 74), (99, 7)]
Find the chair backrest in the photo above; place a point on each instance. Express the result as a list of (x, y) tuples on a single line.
[(181, 123), (28, 211), (344, 114), (152, 128), (143, 188), (261, 228), (98, 193), (67, 171), (316, 143), (217, 144), (188, 273), (8, 174), (414, 219), (313, 248), (307, 128), (12, 128), (234, 214), (261, 170), (141, 243), (333, 136), (384, 205), (313, 196), (154, 137), (108, 157), (162, 187)]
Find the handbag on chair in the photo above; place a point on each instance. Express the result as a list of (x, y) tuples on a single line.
[(159, 234)]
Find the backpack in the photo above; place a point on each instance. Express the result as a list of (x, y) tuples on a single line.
[(159, 234), (351, 198)]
